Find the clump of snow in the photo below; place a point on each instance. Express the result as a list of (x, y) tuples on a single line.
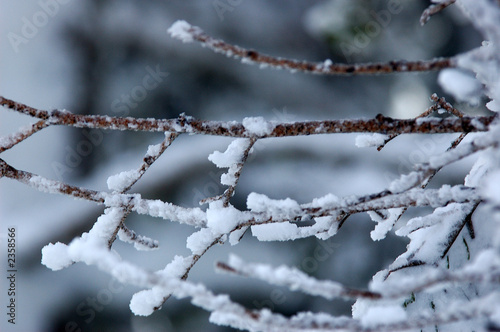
[(282, 231), (119, 182), (462, 85), (230, 159), (277, 208), (154, 150), (107, 223), (367, 140), (180, 30), (177, 267), (258, 126), (231, 156), (199, 241), (383, 315), (222, 219), (329, 201), (55, 256), (144, 302)]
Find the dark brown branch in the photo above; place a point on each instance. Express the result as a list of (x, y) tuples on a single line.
[(381, 124), (323, 68), (31, 179)]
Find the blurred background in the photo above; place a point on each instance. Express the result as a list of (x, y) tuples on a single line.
[(115, 58)]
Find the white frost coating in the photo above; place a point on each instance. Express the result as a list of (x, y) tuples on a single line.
[(45, 185), (328, 201), (484, 60), (199, 241), (222, 219), (462, 85), (165, 210), (383, 315), (277, 208), (324, 228), (180, 30), (477, 172), (282, 231), (106, 224), (428, 234), (405, 182), (154, 150), (119, 182), (491, 187), (291, 277), (367, 140), (177, 267), (384, 225), (55, 256), (258, 126)]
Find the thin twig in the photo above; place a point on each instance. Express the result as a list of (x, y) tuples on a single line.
[(434, 9), (22, 134), (438, 103), (148, 160), (186, 32), (194, 260)]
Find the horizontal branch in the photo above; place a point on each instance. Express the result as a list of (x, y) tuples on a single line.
[(183, 124), (188, 33), (155, 208)]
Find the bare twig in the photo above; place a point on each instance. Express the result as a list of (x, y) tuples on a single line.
[(186, 32), (438, 103), (149, 159), (434, 9)]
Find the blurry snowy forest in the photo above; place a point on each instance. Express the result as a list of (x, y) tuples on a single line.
[(299, 203)]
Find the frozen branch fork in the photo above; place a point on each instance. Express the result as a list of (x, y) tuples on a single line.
[(449, 275)]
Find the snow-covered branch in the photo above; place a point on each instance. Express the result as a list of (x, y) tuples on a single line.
[(450, 271)]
